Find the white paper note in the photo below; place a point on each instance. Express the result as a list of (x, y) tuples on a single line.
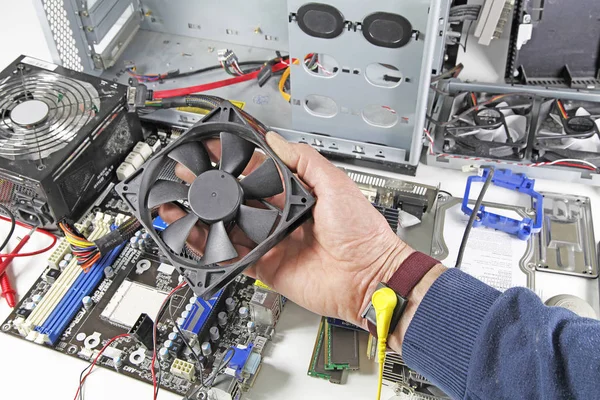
[(490, 256)]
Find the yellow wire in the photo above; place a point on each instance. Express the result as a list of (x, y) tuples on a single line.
[(384, 302), (284, 78)]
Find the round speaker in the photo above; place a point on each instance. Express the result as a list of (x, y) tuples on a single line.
[(320, 20), (387, 30)]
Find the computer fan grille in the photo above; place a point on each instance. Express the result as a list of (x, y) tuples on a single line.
[(66, 106)]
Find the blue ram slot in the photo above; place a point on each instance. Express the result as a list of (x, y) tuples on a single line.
[(199, 314), (69, 305)]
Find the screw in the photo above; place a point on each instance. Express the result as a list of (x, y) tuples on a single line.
[(85, 13), (257, 30), (526, 19), (211, 49)]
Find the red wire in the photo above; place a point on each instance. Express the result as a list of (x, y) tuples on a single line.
[(32, 253), (568, 164), (164, 94), (154, 382), (96, 360)]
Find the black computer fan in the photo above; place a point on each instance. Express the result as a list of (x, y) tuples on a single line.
[(569, 127), (483, 127), (217, 198)]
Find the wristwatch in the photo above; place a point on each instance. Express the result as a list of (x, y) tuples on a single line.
[(406, 277)]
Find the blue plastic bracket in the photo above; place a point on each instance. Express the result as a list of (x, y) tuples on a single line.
[(506, 179)]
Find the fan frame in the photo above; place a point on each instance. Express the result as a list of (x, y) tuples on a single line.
[(471, 146), (207, 279)]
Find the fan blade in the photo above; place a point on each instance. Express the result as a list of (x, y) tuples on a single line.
[(177, 232), (263, 182), (193, 156), (218, 246), (582, 112), (517, 124), (505, 109), (235, 153), (165, 192), (256, 222)]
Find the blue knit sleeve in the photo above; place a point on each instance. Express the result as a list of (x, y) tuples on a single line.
[(477, 343)]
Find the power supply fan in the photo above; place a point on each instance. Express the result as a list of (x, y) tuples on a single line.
[(41, 113), (574, 129), (496, 128), (217, 198)]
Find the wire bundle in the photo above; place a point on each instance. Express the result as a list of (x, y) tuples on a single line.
[(464, 13), (87, 252), (200, 101)]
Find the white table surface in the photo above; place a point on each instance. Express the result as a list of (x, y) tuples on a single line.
[(43, 373), (30, 371)]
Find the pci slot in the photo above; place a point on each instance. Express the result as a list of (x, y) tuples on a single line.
[(70, 304), (201, 314), (59, 288)]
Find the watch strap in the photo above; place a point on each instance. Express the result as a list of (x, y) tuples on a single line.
[(406, 277), (410, 273)]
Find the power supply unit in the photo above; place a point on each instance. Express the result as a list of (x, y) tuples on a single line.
[(61, 135)]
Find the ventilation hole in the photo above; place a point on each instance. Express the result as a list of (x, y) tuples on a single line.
[(356, 71), (383, 75), (320, 106), (382, 116), (321, 65), (346, 70)]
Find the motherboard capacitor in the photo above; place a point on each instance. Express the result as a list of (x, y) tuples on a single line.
[(206, 349)]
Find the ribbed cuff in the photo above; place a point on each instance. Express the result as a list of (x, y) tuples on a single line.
[(439, 340)]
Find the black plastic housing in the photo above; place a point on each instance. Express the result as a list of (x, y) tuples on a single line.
[(70, 179), (206, 279), (142, 330)]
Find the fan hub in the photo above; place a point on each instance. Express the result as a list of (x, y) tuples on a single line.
[(29, 113), (215, 196), (577, 125), (489, 118)]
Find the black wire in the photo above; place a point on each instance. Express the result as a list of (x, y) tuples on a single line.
[(160, 314), (186, 343), (218, 370), (467, 38), (445, 192), (212, 68), (81, 379), (13, 224), (474, 214)]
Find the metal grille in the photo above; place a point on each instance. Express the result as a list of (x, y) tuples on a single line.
[(71, 104), (73, 185), (9, 192), (63, 34)]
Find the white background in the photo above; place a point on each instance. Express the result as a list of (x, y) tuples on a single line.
[(30, 371)]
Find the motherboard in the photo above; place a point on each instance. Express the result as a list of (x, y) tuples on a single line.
[(215, 344)]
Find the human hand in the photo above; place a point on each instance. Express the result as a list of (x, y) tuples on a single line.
[(331, 264)]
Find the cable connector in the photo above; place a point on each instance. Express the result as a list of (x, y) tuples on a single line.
[(265, 74), (472, 168), (137, 94), (384, 302), (226, 56)]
